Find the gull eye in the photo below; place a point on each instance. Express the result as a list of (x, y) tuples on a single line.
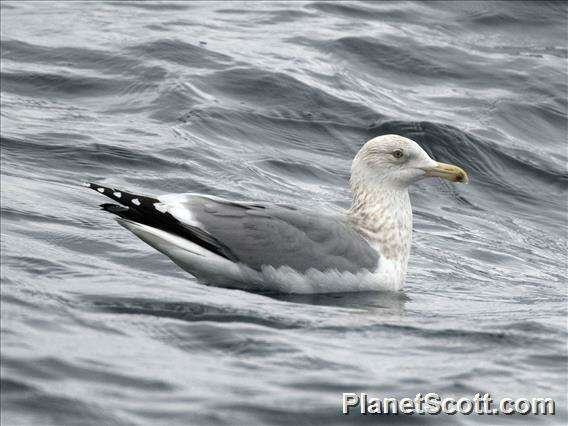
[(397, 153)]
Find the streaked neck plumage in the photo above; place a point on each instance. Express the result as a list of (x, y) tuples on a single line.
[(382, 214)]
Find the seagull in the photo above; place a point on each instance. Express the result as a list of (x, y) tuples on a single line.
[(290, 249)]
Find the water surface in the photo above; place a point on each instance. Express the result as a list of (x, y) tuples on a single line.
[(270, 101)]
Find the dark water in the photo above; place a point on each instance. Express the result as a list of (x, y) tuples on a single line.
[(270, 101)]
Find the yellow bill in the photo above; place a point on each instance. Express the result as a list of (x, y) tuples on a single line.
[(448, 172)]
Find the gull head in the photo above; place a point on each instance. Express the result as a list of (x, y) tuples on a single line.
[(392, 161)]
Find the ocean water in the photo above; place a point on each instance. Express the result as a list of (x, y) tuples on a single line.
[(270, 101)]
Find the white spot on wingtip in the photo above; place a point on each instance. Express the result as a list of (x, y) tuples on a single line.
[(136, 201), (117, 194), (86, 184), (101, 190)]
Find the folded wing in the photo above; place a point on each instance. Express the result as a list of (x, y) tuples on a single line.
[(260, 235)]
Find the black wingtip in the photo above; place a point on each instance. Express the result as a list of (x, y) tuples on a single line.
[(105, 190), (123, 212), (97, 187), (128, 199), (143, 210), (113, 208)]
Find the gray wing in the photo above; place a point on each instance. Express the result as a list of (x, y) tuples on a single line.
[(270, 235)]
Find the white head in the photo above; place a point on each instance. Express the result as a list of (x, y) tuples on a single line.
[(380, 175), (395, 162)]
